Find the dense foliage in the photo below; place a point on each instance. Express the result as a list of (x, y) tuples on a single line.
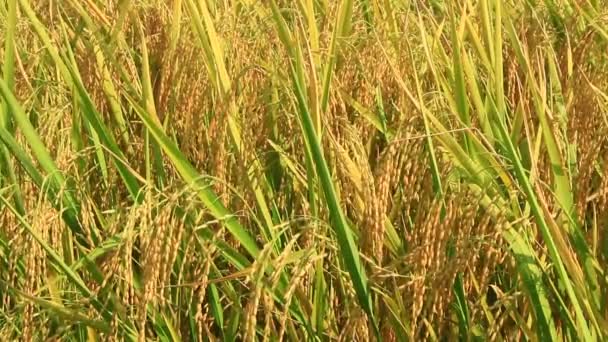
[(303, 170)]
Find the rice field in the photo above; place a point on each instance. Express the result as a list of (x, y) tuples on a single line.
[(305, 170)]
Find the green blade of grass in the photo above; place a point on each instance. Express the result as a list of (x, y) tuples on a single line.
[(104, 309), (70, 74), (8, 65), (341, 29), (57, 181), (202, 22), (194, 179), (71, 316), (547, 234), (562, 187), (8, 71), (346, 241)]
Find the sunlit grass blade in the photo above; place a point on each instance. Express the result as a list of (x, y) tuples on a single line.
[(8, 64), (342, 27), (561, 178), (202, 22), (194, 179), (70, 74), (8, 73), (57, 181), (67, 314), (548, 235), (348, 247), (532, 278), (346, 241)]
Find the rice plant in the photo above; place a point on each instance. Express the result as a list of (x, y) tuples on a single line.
[(241, 170)]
